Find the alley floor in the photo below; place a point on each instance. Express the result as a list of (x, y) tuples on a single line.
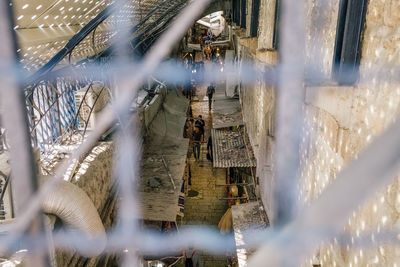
[(206, 207)]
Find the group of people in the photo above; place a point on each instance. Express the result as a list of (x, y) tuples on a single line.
[(195, 131), (210, 53)]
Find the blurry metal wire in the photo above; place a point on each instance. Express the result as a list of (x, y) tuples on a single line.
[(54, 106), (15, 120), (289, 117), (152, 59)]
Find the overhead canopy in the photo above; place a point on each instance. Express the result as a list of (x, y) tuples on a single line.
[(230, 149), (248, 216), (44, 27), (227, 112), (170, 119), (164, 160), (160, 163)]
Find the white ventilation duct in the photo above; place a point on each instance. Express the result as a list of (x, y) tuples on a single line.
[(72, 206), (76, 210)]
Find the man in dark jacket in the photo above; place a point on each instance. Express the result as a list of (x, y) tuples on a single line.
[(192, 258), (201, 124), (209, 149), (198, 138), (210, 92)]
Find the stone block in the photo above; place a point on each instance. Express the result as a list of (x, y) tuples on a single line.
[(267, 56), (336, 100), (251, 43)]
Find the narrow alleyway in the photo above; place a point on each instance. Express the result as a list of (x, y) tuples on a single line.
[(207, 207)]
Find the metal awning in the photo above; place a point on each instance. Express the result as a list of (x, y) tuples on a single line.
[(248, 216), (230, 149), (227, 112)]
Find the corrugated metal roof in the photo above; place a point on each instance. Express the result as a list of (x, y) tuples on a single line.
[(249, 216), (227, 112), (230, 150)]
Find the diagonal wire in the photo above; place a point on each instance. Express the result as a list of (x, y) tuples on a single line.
[(127, 154), (24, 181), (160, 50)]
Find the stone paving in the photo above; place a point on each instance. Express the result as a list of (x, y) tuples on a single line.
[(207, 207)]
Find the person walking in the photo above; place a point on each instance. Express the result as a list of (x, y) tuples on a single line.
[(209, 149), (201, 124), (210, 93), (198, 138), (192, 258)]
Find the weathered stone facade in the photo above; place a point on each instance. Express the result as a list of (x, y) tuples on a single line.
[(321, 20), (257, 99), (363, 112), (266, 24), (94, 177), (340, 121)]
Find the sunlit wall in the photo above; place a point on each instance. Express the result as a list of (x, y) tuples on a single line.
[(339, 123)]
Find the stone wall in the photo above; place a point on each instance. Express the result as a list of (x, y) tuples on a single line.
[(266, 24), (94, 176), (321, 20), (339, 123), (248, 16), (257, 99)]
